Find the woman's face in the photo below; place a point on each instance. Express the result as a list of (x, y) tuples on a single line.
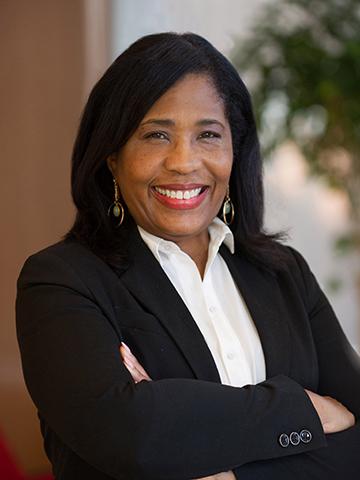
[(174, 170)]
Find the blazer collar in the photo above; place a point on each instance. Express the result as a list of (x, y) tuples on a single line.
[(149, 284)]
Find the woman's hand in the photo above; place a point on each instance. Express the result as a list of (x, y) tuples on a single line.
[(136, 370), (138, 373), (334, 416)]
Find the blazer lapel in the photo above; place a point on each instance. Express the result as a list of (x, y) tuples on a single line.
[(262, 296), (149, 284)]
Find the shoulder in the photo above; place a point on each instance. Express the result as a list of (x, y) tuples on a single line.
[(296, 265), (295, 262), (66, 249), (298, 272), (286, 261), (67, 262)]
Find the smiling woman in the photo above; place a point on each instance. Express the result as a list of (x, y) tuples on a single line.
[(168, 336), (174, 170)]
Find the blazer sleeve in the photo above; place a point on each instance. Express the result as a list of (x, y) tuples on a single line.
[(339, 364), (166, 429)]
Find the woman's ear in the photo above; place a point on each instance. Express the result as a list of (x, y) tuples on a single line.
[(111, 163)]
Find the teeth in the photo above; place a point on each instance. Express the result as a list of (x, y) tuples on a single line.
[(179, 194)]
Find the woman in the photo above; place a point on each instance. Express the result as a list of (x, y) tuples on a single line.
[(239, 367)]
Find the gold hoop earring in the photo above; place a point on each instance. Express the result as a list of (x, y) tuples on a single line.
[(228, 207), (116, 208)]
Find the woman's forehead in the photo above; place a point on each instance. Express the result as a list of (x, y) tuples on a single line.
[(193, 94)]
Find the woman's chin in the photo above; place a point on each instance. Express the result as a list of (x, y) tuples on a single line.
[(180, 229)]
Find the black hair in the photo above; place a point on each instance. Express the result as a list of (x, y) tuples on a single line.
[(116, 106)]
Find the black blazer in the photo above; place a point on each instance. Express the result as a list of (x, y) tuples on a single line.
[(73, 310)]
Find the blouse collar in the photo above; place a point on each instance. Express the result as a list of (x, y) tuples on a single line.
[(219, 233)]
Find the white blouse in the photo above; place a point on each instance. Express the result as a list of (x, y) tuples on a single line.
[(216, 305)]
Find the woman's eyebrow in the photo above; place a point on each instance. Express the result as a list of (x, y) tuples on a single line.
[(209, 121), (159, 121), (167, 122)]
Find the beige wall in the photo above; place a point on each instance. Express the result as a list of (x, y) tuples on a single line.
[(44, 55)]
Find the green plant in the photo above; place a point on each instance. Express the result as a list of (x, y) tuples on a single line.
[(302, 65)]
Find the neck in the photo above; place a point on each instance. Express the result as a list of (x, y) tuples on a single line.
[(197, 249)]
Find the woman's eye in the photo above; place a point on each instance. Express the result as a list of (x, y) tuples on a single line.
[(158, 135), (209, 134)]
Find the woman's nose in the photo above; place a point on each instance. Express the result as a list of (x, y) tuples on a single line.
[(183, 157)]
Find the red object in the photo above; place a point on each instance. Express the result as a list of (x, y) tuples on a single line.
[(184, 204), (8, 468)]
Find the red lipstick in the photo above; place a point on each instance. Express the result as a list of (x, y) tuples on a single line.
[(181, 204)]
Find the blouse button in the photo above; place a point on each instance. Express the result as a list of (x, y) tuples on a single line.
[(230, 355), (212, 309)]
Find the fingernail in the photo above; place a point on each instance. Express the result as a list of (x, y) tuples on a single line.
[(127, 348)]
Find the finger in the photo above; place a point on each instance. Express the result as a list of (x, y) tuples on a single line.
[(141, 369), (136, 376), (132, 360), (128, 355), (137, 373), (128, 352), (123, 351), (126, 347)]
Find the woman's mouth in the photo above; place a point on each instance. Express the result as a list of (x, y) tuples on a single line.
[(180, 196)]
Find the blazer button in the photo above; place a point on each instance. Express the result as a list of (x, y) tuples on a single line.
[(294, 438), (284, 440), (305, 436)]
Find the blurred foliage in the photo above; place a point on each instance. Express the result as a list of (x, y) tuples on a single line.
[(301, 63), (333, 285)]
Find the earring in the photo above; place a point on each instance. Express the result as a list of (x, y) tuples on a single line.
[(228, 207), (116, 208)]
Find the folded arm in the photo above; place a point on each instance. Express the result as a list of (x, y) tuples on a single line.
[(339, 364), (171, 428)]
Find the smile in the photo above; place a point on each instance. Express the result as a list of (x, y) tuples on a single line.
[(179, 194), (180, 197)]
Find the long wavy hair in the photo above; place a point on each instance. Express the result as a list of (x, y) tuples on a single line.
[(117, 104)]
